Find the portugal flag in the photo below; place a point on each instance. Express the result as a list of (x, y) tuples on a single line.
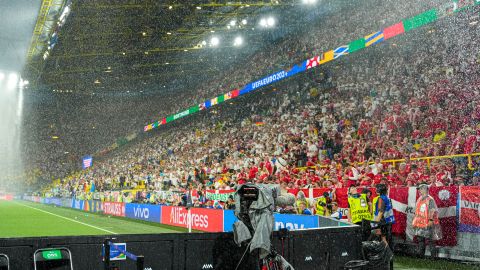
[(404, 202)]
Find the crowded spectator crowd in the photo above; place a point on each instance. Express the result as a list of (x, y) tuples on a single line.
[(339, 125)]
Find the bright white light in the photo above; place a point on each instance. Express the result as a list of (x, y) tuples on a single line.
[(204, 43), (233, 22), (214, 41), (263, 22), (270, 21), (12, 80), (199, 7), (2, 76), (244, 21), (238, 41), (309, 2)]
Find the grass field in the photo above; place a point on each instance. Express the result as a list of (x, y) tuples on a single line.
[(26, 219)]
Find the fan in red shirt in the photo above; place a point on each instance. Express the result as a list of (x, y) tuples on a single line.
[(253, 171)]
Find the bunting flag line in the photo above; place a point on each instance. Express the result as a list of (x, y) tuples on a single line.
[(340, 51), (313, 62), (374, 38), (326, 57), (393, 30), (356, 45), (429, 16)]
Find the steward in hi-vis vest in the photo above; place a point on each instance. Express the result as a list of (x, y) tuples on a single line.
[(426, 224), (359, 211)]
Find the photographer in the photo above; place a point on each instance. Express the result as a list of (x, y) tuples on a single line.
[(321, 206)]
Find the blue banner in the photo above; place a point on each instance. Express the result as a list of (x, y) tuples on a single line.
[(295, 222), (228, 219), (54, 201), (291, 222), (297, 69), (77, 204), (145, 212)]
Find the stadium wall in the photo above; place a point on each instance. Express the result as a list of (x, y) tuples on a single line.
[(305, 249), (202, 219), (466, 221)]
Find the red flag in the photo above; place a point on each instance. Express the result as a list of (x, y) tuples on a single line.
[(393, 30), (235, 93), (469, 209), (164, 121), (404, 202)]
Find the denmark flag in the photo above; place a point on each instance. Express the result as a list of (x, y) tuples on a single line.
[(404, 201)]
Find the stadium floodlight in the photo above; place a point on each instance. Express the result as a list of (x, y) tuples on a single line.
[(270, 21), (233, 22), (214, 41), (2, 76), (204, 43), (244, 21), (267, 22), (12, 80), (263, 22), (309, 2), (238, 41)]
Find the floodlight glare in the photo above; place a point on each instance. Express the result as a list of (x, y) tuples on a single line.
[(2, 76), (263, 22), (214, 41), (309, 1), (238, 41), (270, 21), (233, 22), (244, 21), (12, 80)]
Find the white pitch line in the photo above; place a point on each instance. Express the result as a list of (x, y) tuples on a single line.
[(68, 219)]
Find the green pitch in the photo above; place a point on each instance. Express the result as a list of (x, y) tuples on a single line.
[(26, 219)]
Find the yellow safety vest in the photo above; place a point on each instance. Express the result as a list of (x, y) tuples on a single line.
[(374, 204), (320, 208), (359, 208)]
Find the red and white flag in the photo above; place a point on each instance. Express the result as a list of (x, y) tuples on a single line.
[(313, 62), (469, 209), (404, 201)]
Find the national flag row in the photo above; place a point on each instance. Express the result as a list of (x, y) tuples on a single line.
[(406, 25)]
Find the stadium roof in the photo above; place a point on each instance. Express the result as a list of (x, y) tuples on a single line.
[(145, 45)]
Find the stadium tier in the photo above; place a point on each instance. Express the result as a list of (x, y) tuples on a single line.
[(259, 126)]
